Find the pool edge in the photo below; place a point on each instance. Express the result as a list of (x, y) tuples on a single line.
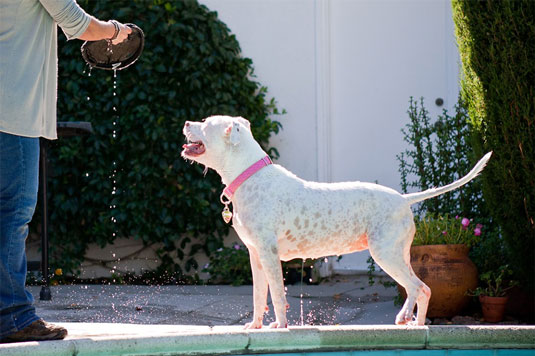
[(192, 340)]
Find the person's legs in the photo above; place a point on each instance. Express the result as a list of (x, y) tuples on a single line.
[(19, 176)]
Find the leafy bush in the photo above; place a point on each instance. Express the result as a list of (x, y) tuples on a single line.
[(230, 265), (438, 155), (497, 46), (127, 179)]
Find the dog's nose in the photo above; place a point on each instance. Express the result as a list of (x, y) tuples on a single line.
[(187, 123)]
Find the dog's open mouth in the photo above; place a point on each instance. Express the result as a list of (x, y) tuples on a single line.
[(193, 149)]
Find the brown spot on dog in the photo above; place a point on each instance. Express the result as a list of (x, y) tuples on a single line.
[(274, 250), (317, 215), (306, 223), (288, 232)]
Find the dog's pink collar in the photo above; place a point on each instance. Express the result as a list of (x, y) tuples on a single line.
[(229, 191)]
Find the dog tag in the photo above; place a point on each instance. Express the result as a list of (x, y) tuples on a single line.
[(227, 214)]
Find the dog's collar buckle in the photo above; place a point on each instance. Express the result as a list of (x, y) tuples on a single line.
[(228, 192)]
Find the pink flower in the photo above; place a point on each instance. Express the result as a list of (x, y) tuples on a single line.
[(477, 231), (236, 247), (479, 226), (444, 232), (465, 222), (456, 216)]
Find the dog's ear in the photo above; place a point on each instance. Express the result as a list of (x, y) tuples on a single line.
[(244, 122), (233, 133)]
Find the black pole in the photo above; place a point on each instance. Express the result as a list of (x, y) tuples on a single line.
[(45, 293)]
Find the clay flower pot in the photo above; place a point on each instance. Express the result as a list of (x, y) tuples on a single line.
[(493, 308), (448, 271)]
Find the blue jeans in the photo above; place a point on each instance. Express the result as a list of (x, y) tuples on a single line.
[(19, 181)]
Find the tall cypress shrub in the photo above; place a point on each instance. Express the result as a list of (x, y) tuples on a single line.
[(496, 42)]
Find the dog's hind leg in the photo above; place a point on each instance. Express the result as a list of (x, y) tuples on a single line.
[(260, 289), (390, 248)]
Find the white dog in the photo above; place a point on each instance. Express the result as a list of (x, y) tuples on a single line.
[(279, 216)]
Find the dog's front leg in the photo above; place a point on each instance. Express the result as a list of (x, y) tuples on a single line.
[(260, 289), (271, 264)]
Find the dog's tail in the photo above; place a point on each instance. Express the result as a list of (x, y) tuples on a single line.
[(433, 192)]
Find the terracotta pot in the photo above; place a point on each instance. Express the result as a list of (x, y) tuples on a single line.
[(448, 271), (493, 308)]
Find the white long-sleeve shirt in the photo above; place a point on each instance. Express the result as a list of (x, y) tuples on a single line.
[(28, 62)]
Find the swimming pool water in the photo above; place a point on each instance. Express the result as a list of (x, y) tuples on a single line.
[(487, 352)]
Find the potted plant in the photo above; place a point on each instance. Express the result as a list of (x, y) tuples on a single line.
[(439, 257), (493, 295)]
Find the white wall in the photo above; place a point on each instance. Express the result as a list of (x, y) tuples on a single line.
[(344, 71), (279, 36)]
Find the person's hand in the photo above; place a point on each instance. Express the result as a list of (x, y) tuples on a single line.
[(124, 31)]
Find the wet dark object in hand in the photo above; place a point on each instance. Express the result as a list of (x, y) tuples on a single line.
[(105, 55)]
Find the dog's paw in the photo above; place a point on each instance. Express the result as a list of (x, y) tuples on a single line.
[(253, 325), (404, 320), (414, 323), (404, 317), (278, 325)]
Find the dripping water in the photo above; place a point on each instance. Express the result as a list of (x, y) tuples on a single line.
[(113, 176), (301, 294)]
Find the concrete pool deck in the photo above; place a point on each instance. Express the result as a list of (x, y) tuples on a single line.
[(345, 314)]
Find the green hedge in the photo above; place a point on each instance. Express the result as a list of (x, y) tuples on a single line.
[(190, 68), (497, 45)]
